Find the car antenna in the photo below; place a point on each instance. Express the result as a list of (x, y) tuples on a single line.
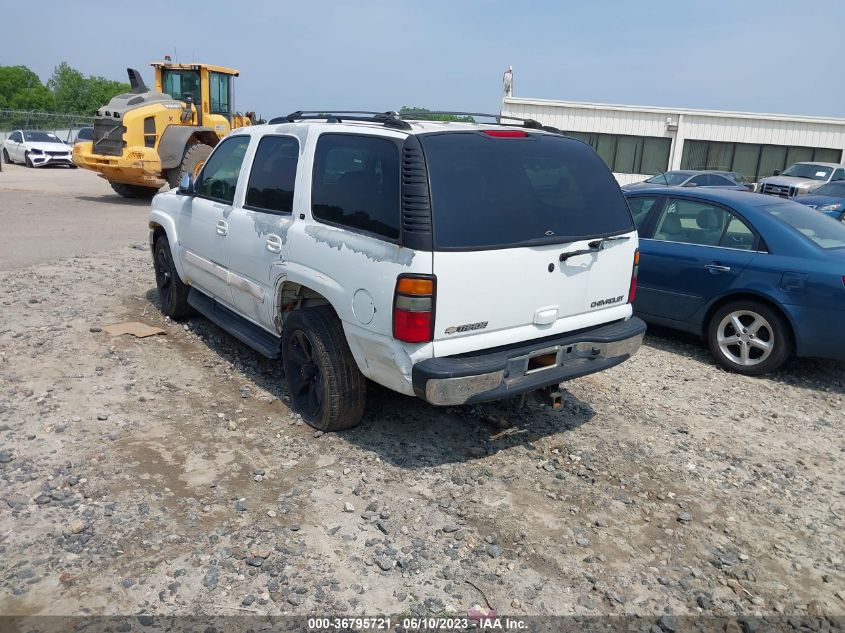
[(665, 179)]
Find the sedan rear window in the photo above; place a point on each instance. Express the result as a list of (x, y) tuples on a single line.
[(822, 230), (494, 192)]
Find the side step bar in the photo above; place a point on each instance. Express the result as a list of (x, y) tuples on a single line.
[(257, 338)]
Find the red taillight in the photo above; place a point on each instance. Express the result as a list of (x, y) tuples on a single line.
[(413, 308), (632, 291), (506, 133), (843, 279)]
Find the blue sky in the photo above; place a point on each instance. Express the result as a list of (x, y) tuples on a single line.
[(754, 55)]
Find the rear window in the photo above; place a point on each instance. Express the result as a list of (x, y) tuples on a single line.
[(822, 230), (491, 192)]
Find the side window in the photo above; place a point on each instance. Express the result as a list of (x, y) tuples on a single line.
[(640, 208), (219, 90), (219, 176), (356, 183), (737, 235), (16, 137), (691, 223), (273, 174), (699, 181), (721, 181)]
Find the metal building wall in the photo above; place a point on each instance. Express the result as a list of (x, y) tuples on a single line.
[(680, 124)]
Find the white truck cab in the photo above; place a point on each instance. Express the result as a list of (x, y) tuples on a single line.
[(457, 262)]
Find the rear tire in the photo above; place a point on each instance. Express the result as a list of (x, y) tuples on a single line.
[(323, 380), (192, 161), (6, 158), (749, 337), (134, 191), (172, 292)]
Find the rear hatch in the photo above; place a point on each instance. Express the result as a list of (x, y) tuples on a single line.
[(509, 209)]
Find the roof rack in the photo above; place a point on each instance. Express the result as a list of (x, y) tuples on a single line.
[(389, 119), (497, 118), (400, 120)]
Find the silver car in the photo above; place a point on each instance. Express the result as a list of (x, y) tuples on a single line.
[(801, 179)]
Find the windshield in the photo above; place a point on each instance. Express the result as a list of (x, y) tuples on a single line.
[(492, 192), (673, 178), (822, 230), (834, 189), (178, 83), (808, 170), (41, 137)]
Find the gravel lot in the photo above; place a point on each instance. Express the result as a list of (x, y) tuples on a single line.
[(167, 475)]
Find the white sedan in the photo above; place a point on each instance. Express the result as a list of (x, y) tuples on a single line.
[(36, 149)]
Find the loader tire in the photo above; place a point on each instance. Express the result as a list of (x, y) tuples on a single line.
[(192, 161), (134, 191)]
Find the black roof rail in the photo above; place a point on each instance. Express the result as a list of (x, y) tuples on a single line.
[(389, 119), (399, 120), (529, 123)]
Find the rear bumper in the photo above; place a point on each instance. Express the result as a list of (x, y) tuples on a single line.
[(504, 372)]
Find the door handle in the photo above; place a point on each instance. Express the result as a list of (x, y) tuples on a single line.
[(274, 243), (718, 268), (222, 227)]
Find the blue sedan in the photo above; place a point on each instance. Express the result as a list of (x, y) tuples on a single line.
[(759, 278), (829, 199)]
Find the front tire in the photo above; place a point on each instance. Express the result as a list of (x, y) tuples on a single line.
[(192, 161), (749, 337), (27, 161), (172, 292), (134, 191), (323, 380)]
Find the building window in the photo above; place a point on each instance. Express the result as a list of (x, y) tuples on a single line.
[(751, 160), (626, 154)]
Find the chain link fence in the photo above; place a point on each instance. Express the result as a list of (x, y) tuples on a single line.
[(65, 126)]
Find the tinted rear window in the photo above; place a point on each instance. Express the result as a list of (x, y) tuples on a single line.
[(489, 192), (822, 230)]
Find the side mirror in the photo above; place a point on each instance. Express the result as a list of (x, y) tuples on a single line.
[(776, 172), (186, 185)]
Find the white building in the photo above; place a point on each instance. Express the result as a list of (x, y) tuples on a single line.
[(638, 142)]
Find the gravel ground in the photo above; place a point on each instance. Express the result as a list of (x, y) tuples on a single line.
[(167, 476)]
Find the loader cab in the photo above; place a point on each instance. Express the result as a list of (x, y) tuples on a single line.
[(211, 88)]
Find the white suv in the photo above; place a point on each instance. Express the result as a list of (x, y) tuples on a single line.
[(458, 262)]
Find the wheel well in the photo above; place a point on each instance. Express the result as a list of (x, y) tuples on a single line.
[(158, 231), (750, 297), (292, 296), (209, 138)]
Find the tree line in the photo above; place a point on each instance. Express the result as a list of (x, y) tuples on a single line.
[(68, 91)]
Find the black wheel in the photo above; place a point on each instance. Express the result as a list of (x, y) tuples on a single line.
[(324, 382), (27, 161), (192, 161), (749, 337), (171, 290), (6, 158), (134, 191)]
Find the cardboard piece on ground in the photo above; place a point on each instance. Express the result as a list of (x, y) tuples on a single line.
[(140, 330)]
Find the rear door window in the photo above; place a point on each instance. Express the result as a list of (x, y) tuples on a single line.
[(356, 183), (273, 174), (494, 192)]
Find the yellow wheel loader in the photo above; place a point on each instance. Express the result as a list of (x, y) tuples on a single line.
[(146, 138)]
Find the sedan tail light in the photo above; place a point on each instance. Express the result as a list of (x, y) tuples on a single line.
[(413, 308)]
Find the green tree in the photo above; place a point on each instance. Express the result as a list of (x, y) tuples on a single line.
[(76, 93), (21, 89), (438, 117)]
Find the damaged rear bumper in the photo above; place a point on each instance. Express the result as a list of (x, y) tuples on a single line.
[(515, 369)]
